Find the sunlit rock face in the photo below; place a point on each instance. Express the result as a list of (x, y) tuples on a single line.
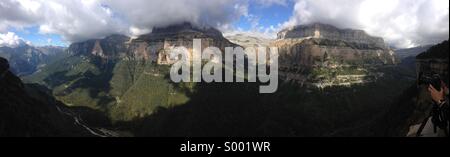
[(313, 47), (160, 42), (324, 31), (245, 40), (154, 47)]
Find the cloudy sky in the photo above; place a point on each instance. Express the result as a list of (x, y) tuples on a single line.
[(402, 23)]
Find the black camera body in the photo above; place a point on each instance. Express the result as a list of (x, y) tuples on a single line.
[(430, 79)]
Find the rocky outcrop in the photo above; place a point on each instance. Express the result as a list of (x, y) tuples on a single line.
[(161, 40), (154, 47), (324, 31), (183, 30), (309, 53), (113, 46), (245, 40)]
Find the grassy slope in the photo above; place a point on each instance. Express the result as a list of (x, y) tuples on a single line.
[(124, 89)]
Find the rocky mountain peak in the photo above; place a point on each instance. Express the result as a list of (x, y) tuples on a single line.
[(335, 56), (185, 29), (330, 32), (247, 40), (110, 46)]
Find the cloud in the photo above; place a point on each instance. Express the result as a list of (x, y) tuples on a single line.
[(403, 23), (145, 14), (74, 20), (255, 28), (78, 20), (10, 39), (16, 14)]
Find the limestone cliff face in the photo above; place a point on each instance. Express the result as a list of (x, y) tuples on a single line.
[(324, 31), (154, 47), (308, 48), (245, 40), (109, 47), (159, 43), (310, 52)]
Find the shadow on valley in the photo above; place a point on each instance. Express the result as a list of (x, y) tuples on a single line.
[(232, 109), (237, 109), (94, 118), (95, 83)]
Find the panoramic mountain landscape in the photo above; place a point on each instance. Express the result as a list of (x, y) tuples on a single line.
[(335, 78)]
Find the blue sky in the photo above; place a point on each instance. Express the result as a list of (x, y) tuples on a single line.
[(267, 15), (33, 35)]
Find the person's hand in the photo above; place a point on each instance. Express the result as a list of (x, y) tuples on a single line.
[(437, 95)]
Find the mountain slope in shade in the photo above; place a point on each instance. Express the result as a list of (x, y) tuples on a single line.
[(28, 111), (408, 112)]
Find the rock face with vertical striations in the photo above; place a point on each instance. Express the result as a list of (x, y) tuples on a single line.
[(322, 54), (154, 46), (324, 31), (159, 42), (110, 47)]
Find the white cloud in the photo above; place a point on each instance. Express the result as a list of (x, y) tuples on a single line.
[(77, 20), (16, 14), (403, 23), (256, 29), (261, 32), (74, 20), (10, 39), (145, 14)]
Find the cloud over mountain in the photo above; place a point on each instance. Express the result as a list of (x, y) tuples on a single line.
[(403, 23), (10, 39), (79, 20), (145, 14)]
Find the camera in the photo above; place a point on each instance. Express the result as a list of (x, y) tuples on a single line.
[(430, 79)]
